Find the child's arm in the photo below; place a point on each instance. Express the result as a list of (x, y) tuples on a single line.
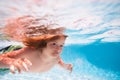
[(65, 66), (8, 60)]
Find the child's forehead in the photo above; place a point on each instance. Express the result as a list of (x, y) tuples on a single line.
[(61, 39)]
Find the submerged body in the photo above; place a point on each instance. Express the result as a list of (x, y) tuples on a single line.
[(35, 60), (43, 44)]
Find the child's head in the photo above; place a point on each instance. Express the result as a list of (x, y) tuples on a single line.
[(54, 46), (34, 31)]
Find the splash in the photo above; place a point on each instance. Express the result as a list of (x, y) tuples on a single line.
[(88, 20)]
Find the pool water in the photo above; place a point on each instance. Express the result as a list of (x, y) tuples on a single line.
[(93, 45), (90, 62)]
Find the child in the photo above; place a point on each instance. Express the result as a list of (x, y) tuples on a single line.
[(41, 52)]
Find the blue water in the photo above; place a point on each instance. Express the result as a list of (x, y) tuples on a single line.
[(93, 45), (96, 61), (91, 61), (102, 55)]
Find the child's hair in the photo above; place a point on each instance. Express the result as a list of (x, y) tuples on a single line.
[(41, 41), (30, 26)]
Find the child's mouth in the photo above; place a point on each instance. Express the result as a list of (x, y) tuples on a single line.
[(56, 53)]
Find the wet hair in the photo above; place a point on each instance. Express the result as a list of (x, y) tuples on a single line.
[(41, 41), (30, 26)]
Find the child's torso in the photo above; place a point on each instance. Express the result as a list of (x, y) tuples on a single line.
[(38, 65)]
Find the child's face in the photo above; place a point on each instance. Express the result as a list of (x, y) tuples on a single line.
[(54, 48)]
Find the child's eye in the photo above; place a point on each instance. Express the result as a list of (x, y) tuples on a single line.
[(53, 43), (61, 45)]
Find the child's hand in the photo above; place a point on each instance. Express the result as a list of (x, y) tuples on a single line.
[(69, 67), (66, 66), (20, 64)]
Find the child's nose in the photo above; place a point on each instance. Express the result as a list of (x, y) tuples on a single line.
[(59, 49)]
